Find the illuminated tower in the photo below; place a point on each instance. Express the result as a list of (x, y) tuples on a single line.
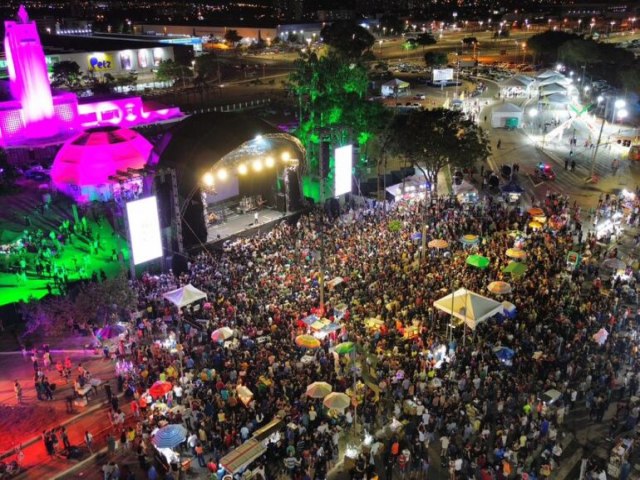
[(28, 77)]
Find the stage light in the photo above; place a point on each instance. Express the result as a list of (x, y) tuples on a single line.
[(208, 179), (269, 162), (286, 156), (257, 165), (242, 169), (222, 174)]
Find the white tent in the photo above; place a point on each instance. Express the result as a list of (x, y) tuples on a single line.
[(557, 79), (553, 86), (551, 90), (525, 79), (557, 98), (469, 307), (547, 74), (393, 87), (503, 112), (515, 82), (185, 295)]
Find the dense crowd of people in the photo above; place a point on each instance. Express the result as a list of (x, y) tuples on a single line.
[(455, 406)]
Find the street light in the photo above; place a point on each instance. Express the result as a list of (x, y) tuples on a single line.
[(380, 44)]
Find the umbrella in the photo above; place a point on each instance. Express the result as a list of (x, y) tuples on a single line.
[(416, 236), (535, 225), (614, 264), (221, 334), (516, 253), (478, 261), (244, 394), (319, 389), (170, 436), (159, 389), (337, 401), (344, 348), (373, 322), (438, 243), (509, 308), (500, 288), (307, 341), (311, 319), (504, 353), (601, 336), (470, 239), (110, 331), (515, 269), (536, 212)]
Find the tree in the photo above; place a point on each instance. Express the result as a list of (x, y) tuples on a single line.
[(347, 38), (207, 67), (170, 71), (433, 139), (435, 58), (66, 74), (232, 37), (332, 100), (101, 302), (425, 40), (545, 45)]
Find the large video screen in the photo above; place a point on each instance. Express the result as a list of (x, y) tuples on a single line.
[(144, 229), (442, 74), (344, 167)]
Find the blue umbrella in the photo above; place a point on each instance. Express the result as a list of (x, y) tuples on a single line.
[(504, 353), (310, 320), (170, 436), (416, 236)]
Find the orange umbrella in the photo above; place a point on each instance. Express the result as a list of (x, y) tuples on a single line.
[(307, 341), (438, 243), (536, 212), (499, 288)]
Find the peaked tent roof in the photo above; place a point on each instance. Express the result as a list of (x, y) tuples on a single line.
[(525, 78), (507, 108), (185, 295), (547, 74), (469, 307), (558, 98), (396, 82), (515, 82), (557, 79), (553, 86)]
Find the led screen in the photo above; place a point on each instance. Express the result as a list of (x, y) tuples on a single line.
[(344, 166), (442, 75), (144, 229)]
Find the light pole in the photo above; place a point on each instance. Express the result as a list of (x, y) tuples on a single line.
[(380, 44)]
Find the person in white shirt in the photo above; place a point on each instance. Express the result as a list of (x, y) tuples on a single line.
[(177, 391)]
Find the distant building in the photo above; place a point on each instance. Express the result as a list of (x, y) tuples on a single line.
[(206, 32), (601, 10)]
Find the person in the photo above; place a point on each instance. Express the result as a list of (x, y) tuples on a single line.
[(573, 165), (255, 218), (152, 473), (200, 455), (88, 439), (65, 438), (17, 388), (566, 163), (499, 144)]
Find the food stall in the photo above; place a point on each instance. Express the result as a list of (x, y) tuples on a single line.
[(619, 453)]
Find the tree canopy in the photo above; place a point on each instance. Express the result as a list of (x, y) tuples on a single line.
[(426, 39), (66, 74), (433, 139), (348, 38), (436, 58), (170, 70), (232, 36), (545, 45)]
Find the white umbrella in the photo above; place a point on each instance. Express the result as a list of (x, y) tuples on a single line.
[(601, 336), (221, 334)]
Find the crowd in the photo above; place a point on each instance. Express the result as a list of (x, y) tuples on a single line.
[(463, 410)]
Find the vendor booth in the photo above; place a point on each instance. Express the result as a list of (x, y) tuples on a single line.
[(469, 307), (395, 87), (184, 296), (465, 192), (412, 188), (506, 115)]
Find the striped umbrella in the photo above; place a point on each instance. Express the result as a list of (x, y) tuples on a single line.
[(337, 401), (438, 243), (319, 389), (170, 436), (499, 288), (516, 253), (307, 341), (470, 239)]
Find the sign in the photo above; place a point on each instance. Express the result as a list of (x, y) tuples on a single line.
[(144, 230), (100, 61), (442, 74), (343, 169)]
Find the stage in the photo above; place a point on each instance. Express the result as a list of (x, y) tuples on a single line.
[(243, 224)]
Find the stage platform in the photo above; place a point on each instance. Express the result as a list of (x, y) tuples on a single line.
[(244, 224)]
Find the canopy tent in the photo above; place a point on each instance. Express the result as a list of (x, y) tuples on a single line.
[(558, 98), (515, 82), (557, 79), (503, 112), (469, 307), (185, 295), (525, 78), (415, 184), (393, 87), (553, 88), (547, 74)]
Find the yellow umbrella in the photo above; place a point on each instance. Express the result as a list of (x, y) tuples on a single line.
[(536, 212), (535, 225), (373, 322), (337, 401), (540, 218), (438, 243), (516, 253), (307, 341), (499, 288), (319, 389), (470, 239)]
